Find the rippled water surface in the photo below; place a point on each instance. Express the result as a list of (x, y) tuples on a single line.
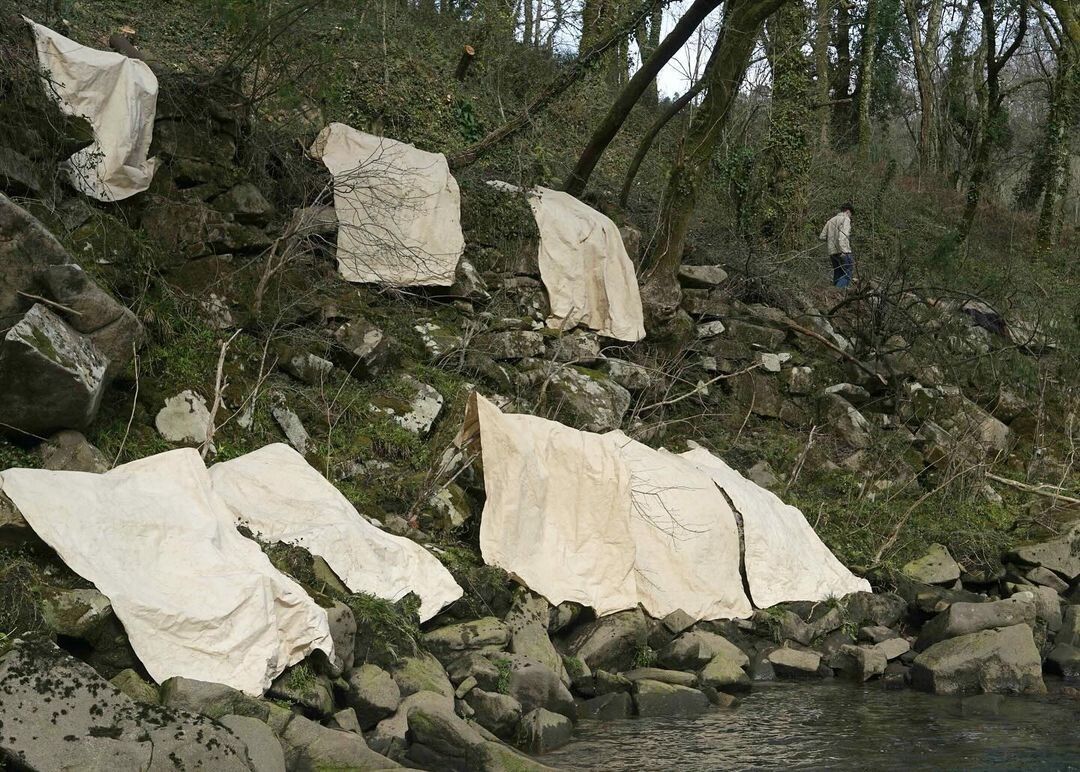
[(840, 726)]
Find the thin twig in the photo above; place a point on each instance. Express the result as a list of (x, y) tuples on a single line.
[(134, 402)]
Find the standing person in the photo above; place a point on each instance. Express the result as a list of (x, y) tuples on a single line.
[(837, 237)]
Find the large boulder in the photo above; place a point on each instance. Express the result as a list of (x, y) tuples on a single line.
[(795, 663), (725, 674), (610, 643), (1064, 660), (537, 686), (1060, 554), (860, 662), (372, 694), (542, 731), (50, 376), (422, 673), (361, 349), (210, 699), (488, 634), (263, 747), (935, 567), (528, 622), (1070, 627), (440, 739), (27, 249), (310, 746), (92, 311), (70, 451), (497, 713), (966, 618), (697, 648), (58, 713), (850, 425), (184, 418), (653, 698), (587, 399), (884, 609), (1004, 660)]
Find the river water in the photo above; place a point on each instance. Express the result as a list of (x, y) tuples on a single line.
[(840, 726)]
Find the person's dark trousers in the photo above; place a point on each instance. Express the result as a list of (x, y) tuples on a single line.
[(843, 269)]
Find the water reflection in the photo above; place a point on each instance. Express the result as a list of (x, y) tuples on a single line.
[(840, 726)]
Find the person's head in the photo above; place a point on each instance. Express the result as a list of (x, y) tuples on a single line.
[(848, 208)]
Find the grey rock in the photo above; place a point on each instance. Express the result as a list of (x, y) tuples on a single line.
[(440, 739), (1061, 554), (311, 691), (724, 674), (50, 376), (653, 698), (246, 203), (935, 567), (372, 694), (966, 618), (307, 367), (1047, 578), (184, 418), (133, 685), (794, 663), (896, 675), (1048, 607), (860, 662), (763, 474), (1070, 626), (346, 721), (537, 686), (800, 381), (263, 748), (884, 609), (1003, 660), (18, 174), (498, 713), (893, 648), (476, 666), (342, 623), (853, 393), (709, 329), (850, 425), (70, 451), (768, 338), (630, 376), (695, 649), (877, 633), (294, 429), (310, 747), (14, 530), (482, 635), (27, 249), (930, 598), (55, 708), (611, 642), (511, 344), (418, 412), (589, 399), (210, 699), (528, 622), (361, 348), (542, 731), (422, 673), (607, 707), (701, 276), (577, 347), (663, 676), (1064, 660)]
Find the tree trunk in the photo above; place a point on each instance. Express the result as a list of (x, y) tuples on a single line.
[(787, 147), (924, 53), (993, 114), (673, 109), (742, 24), (620, 109), (866, 76), (841, 118), (647, 36), (1061, 123), (823, 10), (527, 22)]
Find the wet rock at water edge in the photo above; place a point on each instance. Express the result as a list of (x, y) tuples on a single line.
[(1004, 660), (653, 698)]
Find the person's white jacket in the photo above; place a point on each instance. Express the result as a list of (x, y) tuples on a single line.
[(836, 234)]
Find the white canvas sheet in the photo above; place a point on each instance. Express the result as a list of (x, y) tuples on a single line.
[(557, 510), (277, 494), (398, 209), (785, 560), (685, 536), (196, 598), (118, 96), (583, 263)]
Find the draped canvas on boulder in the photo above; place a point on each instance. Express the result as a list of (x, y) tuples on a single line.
[(118, 96), (195, 597), (785, 559), (278, 495), (398, 209)]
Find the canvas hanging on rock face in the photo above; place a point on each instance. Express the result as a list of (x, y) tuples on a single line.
[(118, 96), (195, 597), (586, 271), (785, 559), (277, 494), (398, 209)]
